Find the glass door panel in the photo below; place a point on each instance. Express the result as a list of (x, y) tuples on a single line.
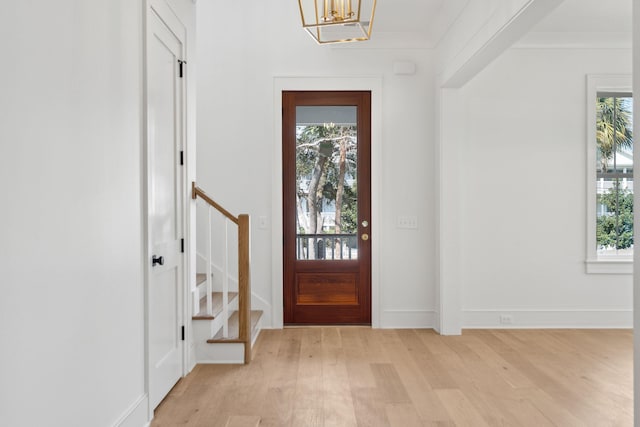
[(326, 183)]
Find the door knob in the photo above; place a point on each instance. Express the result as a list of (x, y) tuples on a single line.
[(365, 237), (157, 260), (365, 223)]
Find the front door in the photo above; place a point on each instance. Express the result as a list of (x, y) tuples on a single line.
[(165, 200), (327, 207)]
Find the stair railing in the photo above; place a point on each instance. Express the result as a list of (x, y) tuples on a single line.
[(244, 279)]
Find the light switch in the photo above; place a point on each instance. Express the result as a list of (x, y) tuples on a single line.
[(407, 221)]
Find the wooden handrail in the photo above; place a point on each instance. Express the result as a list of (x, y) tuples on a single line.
[(244, 268), (197, 191)]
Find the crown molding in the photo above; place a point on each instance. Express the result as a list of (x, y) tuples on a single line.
[(575, 40)]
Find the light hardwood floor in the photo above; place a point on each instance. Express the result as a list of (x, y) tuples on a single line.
[(348, 376)]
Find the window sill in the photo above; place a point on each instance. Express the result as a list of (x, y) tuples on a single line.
[(610, 266)]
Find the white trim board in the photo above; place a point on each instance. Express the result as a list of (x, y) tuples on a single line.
[(574, 40), (136, 415), (280, 84), (599, 83), (408, 319), (548, 319)]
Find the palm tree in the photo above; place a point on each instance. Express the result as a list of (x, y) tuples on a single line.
[(613, 128)]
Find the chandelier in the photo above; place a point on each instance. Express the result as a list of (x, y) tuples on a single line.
[(337, 21)]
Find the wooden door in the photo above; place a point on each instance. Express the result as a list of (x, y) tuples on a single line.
[(327, 207), (165, 128)]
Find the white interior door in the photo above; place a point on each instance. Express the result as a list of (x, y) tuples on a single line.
[(165, 134)]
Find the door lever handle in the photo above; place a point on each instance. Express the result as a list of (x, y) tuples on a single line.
[(157, 260)]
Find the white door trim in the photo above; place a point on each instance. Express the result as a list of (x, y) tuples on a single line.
[(373, 84), (163, 11)]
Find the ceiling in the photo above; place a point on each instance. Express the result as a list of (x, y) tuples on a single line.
[(424, 22), (585, 16)]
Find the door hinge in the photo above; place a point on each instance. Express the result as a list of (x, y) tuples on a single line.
[(183, 333), (181, 64), (182, 245), (181, 158)]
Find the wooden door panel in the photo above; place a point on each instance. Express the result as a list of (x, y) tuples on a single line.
[(327, 288)]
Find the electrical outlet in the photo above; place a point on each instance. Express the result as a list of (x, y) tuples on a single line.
[(408, 221), (506, 319)]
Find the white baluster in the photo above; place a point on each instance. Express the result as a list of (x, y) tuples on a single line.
[(225, 282), (209, 272)]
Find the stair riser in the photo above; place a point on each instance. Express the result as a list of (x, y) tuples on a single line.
[(206, 353), (219, 353), (205, 329)]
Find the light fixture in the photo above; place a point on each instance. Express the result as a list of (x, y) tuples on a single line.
[(338, 21)]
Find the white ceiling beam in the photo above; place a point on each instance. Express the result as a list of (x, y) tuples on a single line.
[(482, 32)]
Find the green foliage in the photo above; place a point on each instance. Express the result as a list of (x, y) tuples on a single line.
[(615, 229), (318, 161), (350, 210), (613, 128)]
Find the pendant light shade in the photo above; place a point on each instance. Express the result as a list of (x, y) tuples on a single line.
[(338, 21)]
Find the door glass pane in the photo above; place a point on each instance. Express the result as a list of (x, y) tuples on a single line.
[(326, 184)]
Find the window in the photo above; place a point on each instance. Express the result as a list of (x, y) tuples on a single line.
[(610, 175)]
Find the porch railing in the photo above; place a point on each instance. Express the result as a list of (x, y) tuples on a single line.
[(327, 246)]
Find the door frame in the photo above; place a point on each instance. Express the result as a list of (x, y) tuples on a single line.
[(162, 9), (366, 83)]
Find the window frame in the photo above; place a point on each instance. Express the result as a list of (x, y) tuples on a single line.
[(621, 83)]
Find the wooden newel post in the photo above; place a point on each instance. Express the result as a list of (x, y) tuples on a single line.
[(244, 284)]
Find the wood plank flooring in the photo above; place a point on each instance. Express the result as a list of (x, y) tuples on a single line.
[(356, 376)]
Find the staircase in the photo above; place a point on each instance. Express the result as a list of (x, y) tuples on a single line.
[(224, 326)]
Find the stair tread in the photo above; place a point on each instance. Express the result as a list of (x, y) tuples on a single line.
[(234, 326), (216, 300)]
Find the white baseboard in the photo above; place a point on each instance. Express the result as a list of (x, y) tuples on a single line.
[(192, 358), (259, 303), (532, 319), (402, 319), (436, 321), (136, 415)]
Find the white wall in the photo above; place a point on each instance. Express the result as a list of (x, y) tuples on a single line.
[(71, 311), (72, 305), (480, 34), (523, 193), (236, 138)]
